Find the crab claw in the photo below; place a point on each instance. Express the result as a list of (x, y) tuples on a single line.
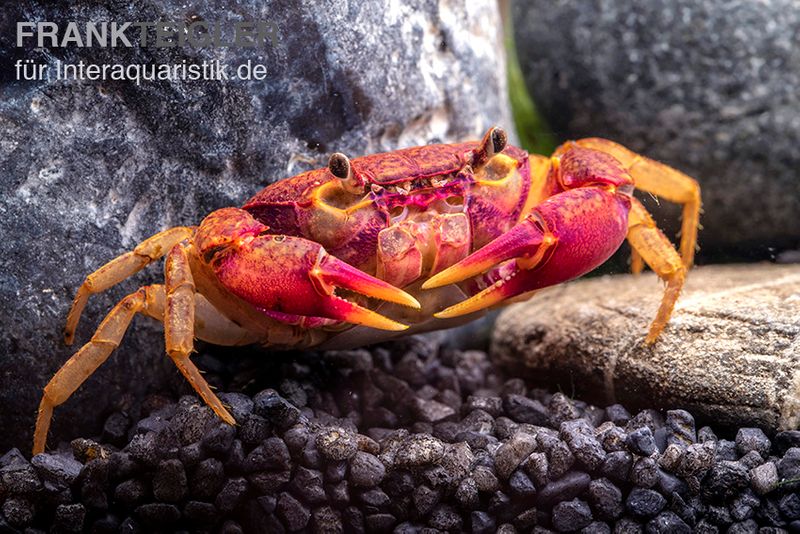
[(527, 242), (296, 276), (331, 272)]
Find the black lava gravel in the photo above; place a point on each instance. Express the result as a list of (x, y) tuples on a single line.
[(405, 437)]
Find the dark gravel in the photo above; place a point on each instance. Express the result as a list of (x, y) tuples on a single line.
[(403, 438)]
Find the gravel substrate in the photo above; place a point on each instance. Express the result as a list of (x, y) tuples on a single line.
[(407, 437)]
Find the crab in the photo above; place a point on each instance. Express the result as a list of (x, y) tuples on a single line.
[(382, 245)]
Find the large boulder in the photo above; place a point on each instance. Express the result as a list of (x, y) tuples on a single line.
[(89, 169), (706, 86), (729, 354)]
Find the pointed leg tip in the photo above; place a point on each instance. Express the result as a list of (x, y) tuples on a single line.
[(651, 339), (228, 418)]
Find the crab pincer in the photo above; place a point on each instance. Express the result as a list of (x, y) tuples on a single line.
[(293, 276), (567, 235)]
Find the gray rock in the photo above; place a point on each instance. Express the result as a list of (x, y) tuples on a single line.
[(764, 478), (511, 453), (707, 87), (728, 354), (366, 470), (91, 169)]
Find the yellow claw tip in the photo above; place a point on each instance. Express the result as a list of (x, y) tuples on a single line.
[(410, 301), (440, 279)]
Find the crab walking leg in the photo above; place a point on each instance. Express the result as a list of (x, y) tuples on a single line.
[(121, 268), (179, 318), (659, 253), (663, 181), (637, 263), (84, 362)]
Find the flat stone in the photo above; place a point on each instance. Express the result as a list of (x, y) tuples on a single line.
[(728, 354), (98, 167), (717, 105)]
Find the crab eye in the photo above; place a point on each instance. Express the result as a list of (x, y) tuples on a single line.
[(339, 165)]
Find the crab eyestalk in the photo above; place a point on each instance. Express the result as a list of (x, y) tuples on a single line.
[(340, 167), (492, 143)]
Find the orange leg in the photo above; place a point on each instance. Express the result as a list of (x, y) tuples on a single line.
[(663, 181), (121, 268), (209, 325), (179, 321), (659, 253), (84, 362)]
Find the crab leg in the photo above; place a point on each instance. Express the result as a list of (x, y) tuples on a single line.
[(84, 362), (661, 256), (179, 318), (663, 181), (209, 325), (121, 268)]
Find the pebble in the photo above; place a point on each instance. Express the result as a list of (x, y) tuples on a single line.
[(337, 444), (789, 466), (169, 482), (644, 473), (231, 494), (307, 484), (617, 465), (617, 414), (294, 515), (18, 511), (60, 470), (537, 467), (276, 409), (569, 516), (272, 454), (641, 441), (431, 411), (560, 460), (525, 410), (485, 479), (366, 470), (764, 478), (667, 523), (579, 436), (725, 479), (680, 428), (419, 450), (521, 486), (605, 498), (752, 439), (445, 518), (644, 503), (490, 405), (567, 487), (511, 453), (70, 517)]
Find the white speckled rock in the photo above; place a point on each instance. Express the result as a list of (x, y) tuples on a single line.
[(731, 352), (90, 169)]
